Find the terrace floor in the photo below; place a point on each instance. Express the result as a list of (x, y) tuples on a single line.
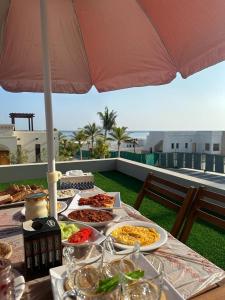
[(204, 239)]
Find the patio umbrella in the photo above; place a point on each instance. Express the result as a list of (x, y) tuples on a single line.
[(111, 44)]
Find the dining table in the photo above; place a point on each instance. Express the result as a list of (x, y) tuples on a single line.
[(192, 275)]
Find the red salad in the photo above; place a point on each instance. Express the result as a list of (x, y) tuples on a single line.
[(81, 236)]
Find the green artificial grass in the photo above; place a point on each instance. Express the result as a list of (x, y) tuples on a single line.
[(204, 239)]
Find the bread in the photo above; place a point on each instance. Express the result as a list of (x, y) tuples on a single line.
[(5, 199), (13, 189), (20, 196), (15, 193), (5, 250), (3, 193), (109, 202)]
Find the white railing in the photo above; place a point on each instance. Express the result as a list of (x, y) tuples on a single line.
[(12, 173)]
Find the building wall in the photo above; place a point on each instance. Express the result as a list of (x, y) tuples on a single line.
[(28, 140), (8, 143), (6, 130), (223, 143), (10, 140), (195, 141), (127, 146), (178, 139), (153, 138)]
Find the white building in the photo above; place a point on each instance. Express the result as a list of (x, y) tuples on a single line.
[(211, 142), (128, 146), (32, 145)]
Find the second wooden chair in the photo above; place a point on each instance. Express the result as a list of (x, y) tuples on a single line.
[(208, 206), (172, 195)]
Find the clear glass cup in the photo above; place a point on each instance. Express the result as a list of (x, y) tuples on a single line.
[(149, 287), (6, 280), (83, 266)]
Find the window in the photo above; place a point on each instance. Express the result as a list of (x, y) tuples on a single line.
[(207, 147), (38, 152), (216, 147), (186, 145), (177, 145), (172, 146)]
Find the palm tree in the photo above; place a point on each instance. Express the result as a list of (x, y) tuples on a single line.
[(79, 137), (62, 138), (119, 134), (102, 148), (108, 119), (61, 135), (62, 143), (92, 131)]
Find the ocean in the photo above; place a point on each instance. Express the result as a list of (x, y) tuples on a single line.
[(140, 134)]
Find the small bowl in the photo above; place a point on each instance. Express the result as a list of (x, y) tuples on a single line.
[(5, 250), (96, 237)]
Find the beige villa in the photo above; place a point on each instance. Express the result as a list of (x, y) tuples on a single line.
[(31, 145)]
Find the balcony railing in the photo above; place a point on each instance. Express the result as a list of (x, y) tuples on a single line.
[(137, 170), (197, 161)]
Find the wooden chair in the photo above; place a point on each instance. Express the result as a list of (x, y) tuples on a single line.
[(208, 206), (172, 195)]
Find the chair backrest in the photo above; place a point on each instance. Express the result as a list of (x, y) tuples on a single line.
[(170, 194), (208, 206)]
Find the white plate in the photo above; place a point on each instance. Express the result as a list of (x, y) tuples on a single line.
[(63, 197), (19, 285), (58, 276), (13, 204), (161, 231), (93, 224), (74, 203), (96, 237), (63, 207)]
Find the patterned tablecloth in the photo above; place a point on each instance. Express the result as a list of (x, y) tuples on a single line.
[(189, 272)]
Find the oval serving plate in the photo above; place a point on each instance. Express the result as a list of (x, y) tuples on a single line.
[(92, 224), (155, 245)]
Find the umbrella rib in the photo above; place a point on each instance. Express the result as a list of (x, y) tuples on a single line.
[(82, 39)]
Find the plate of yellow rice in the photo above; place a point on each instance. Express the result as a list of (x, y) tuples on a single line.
[(125, 235)]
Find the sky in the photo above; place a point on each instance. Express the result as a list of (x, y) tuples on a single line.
[(195, 103)]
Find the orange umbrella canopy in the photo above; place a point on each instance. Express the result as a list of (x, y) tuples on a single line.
[(111, 44)]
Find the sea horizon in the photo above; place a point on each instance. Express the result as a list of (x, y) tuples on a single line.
[(139, 134)]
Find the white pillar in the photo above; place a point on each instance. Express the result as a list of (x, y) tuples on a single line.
[(52, 184)]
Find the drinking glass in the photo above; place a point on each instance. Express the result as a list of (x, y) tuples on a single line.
[(83, 265), (147, 288), (113, 266), (7, 291)]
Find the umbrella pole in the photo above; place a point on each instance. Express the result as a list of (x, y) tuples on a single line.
[(52, 174)]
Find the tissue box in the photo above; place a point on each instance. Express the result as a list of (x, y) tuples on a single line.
[(83, 182), (42, 246)]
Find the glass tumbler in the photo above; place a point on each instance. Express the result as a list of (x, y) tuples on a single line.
[(148, 287), (6, 280)]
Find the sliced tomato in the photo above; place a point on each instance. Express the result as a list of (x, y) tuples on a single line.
[(81, 236)]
